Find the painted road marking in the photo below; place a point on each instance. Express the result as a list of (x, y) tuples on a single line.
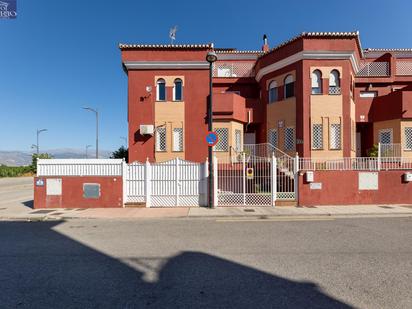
[(276, 219)]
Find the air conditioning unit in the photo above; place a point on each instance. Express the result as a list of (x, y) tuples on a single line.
[(146, 129)]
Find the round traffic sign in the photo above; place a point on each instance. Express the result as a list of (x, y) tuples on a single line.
[(211, 138)]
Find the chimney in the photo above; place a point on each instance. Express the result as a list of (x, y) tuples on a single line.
[(265, 46)]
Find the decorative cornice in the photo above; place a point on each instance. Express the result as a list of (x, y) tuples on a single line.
[(166, 65), (165, 46), (315, 54)]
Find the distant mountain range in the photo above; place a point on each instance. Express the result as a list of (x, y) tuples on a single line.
[(19, 158)]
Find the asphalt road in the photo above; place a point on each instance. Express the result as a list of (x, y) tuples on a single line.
[(199, 263)]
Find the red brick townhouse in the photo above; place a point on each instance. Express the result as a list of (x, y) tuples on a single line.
[(319, 94)]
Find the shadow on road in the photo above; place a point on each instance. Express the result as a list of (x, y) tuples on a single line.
[(29, 203), (41, 268)]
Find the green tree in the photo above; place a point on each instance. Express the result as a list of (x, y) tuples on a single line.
[(374, 151), (34, 158), (121, 153)]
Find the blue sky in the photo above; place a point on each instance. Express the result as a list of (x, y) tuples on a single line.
[(60, 55)]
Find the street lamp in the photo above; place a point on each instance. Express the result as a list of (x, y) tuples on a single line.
[(37, 145), (87, 147), (97, 128), (211, 57)]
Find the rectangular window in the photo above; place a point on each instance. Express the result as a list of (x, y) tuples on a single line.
[(238, 140), (178, 139), (160, 139), (290, 90), (317, 136), (289, 139), (273, 137), (335, 136), (368, 94), (408, 138), (223, 139), (385, 136)]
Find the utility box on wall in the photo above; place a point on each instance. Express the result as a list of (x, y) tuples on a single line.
[(407, 177), (309, 176)]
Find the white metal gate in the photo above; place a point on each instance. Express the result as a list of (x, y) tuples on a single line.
[(285, 178), (245, 180)]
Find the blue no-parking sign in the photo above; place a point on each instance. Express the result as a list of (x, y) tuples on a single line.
[(211, 138)]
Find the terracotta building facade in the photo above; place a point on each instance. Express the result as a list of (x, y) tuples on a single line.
[(320, 95)]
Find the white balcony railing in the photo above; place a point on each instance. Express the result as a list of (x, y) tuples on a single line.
[(233, 69), (373, 69)]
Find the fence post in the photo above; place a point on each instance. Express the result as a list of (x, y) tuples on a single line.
[(215, 184), (379, 156), (177, 176), (125, 176), (273, 167), (296, 178), (244, 177), (148, 183)]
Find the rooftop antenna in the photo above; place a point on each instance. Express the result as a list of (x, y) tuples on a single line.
[(172, 34)]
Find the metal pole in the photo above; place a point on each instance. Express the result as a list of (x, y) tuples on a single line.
[(210, 128), (97, 134), (37, 145)]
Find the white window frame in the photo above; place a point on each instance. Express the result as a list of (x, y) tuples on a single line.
[(177, 145), (339, 140), (334, 79), (158, 141), (317, 144), (273, 137), (405, 129), (390, 131), (174, 89), (238, 140), (158, 82), (222, 144), (293, 144), (316, 82), (273, 91)]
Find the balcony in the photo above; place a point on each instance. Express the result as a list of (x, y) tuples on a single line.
[(231, 106), (233, 69), (373, 69)]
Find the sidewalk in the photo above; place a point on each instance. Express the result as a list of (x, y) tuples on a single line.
[(29, 214)]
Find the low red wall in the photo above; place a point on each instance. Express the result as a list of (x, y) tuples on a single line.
[(341, 188), (111, 193)]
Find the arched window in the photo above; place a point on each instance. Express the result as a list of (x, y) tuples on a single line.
[(289, 86), (178, 90), (334, 82), (160, 90), (316, 82), (273, 92)]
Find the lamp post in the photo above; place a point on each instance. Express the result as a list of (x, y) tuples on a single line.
[(87, 147), (211, 57), (97, 128), (37, 143)]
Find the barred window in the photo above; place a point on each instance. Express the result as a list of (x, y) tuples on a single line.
[(223, 139), (178, 139), (385, 136), (160, 90), (317, 136), (289, 87), (289, 139), (238, 140), (408, 138), (334, 82), (273, 137), (160, 139), (335, 136), (316, 82), (273, 92)]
